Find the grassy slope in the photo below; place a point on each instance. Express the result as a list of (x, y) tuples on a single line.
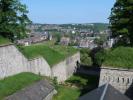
[(53, 54), (119, 57), (82, 82), (67, 93), (12, 84), (4, 41)]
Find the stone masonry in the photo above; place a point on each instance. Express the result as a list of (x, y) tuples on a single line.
[(121, 79), (12, 62)]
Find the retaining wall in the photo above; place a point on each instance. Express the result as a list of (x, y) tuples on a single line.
[(13, 62), (121, 79), (66, 68)]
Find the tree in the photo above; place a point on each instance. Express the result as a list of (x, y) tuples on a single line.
[(121, 21), (13, 19), (101, 40)]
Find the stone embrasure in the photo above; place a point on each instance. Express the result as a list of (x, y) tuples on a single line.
[(120, 78)]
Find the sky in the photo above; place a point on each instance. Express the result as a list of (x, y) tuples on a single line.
[(69, 11)]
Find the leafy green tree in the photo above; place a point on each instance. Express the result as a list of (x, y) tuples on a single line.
[(13, 19), (85, 57), (121, 20), (100, 41)]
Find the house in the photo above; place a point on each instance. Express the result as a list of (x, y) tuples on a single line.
[(104, 92), (34, 38), (65, 41), (25, 42), (41, 90), (84, 43)]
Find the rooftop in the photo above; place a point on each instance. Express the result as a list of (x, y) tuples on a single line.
[(105, 92), (37, 91)]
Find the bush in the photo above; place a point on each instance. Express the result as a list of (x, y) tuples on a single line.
[(100, 57), (85, 57)]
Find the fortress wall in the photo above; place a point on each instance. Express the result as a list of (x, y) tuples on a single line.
[(121, 79), (66, 68), (40, 66), (59, 71), (12, 62), (71, 64)]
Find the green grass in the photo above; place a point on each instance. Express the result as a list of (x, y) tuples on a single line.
[(119, 57), (78, 80), (53, 54), (4, 41), (67, 93), (64, 50), (76, 86), (82, 81), (12, 84)]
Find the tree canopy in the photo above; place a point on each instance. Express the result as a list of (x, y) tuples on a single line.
[(13, 18), (121, 21)]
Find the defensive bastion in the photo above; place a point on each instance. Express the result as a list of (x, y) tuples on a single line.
[(12, 62)]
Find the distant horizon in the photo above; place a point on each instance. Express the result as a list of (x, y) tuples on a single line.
[(69, 11), (72, 23)]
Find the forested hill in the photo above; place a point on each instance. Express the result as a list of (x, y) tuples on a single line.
[(96, 27)]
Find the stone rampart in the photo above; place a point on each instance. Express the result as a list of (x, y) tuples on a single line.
[(12, 62), (121, 79)]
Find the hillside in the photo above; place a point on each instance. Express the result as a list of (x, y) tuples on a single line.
[(53, 54), (119, 57)]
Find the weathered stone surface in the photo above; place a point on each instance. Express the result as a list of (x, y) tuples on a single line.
[(12, 62), (39, 66), (66, 68), (121, 79)]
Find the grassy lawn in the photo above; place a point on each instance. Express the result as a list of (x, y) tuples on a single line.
[(119, 57), (12, 84), (67, 93), (64, 50), (4, 41), (53, 54)]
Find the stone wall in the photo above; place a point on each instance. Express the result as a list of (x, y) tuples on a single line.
[(66, 68), (121, 79), (12, 62), (39, 66)]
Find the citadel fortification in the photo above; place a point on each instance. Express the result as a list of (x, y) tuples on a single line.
[(121, 79), (12, 62)]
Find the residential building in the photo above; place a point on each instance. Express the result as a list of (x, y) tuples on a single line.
[(65, 41)]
